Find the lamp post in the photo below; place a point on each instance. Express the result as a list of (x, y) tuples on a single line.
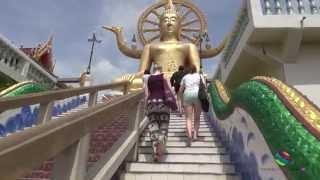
[(93, 40)]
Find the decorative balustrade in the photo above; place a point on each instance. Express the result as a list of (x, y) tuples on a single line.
[(20, 67), (241, 24), (68, 139), (27, 117), (290, 7)]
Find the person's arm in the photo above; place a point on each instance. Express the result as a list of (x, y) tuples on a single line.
[(182, 88), (168, 83), (172, 79), (203, 81), (146, 91)]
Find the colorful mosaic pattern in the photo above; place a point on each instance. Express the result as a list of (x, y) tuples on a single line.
[(278, 120)]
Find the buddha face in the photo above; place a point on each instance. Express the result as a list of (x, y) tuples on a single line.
[(169, 25)]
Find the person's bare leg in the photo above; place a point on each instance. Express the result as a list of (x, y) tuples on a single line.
[(197, 112), (179, 105), (188, 113)]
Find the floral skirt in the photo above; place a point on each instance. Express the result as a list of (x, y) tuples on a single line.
[(159, 116)]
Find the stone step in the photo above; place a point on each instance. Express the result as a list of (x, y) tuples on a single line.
[(183, 134), (180, 168), (182, 139), (176, 176), (186, 150), (184, 144), (186, 158)]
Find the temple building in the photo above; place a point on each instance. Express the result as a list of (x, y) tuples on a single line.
[(19, 65)]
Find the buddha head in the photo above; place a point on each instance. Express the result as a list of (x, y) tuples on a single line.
[(169, 22)]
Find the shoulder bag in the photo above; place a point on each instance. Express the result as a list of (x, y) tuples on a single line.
[(203, 96)]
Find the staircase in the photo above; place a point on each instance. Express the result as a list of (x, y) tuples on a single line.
[(101, 141), (204, 159)]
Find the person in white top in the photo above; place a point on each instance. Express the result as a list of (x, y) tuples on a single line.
[(189, 92)]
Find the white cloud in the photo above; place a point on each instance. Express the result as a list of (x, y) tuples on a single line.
[(104, 72)]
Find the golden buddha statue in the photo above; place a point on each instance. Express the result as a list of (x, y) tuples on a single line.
[(170, 51)]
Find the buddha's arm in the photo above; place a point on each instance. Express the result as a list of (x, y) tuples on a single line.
[(145, 61), (194, 56)]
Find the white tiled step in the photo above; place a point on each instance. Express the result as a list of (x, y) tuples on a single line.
[(174, 176), (184, 129), (186, 158), (184, 126), (182, 139), (183, 116), (184, 144), (183, 120), (184, 123), (183, 134), (180, 168), (186, 150)]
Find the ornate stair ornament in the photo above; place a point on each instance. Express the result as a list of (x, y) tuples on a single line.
[(278, 6), (289, 7), (313, 7), (267, 7), (301, 6)]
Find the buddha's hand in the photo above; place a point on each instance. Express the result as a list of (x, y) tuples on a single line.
[(114, 29), (128, 77), (135, 83)]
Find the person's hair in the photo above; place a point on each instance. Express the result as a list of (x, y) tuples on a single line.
[(157, 68), (181, 68), (147, 71), (192, 69)]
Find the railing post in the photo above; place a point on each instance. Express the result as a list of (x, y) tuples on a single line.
[(45, 112), (267, 7), (135, 116), (289, 7), (301, 6), (278, 7), (71, 164), (125, 89), (313, 7)]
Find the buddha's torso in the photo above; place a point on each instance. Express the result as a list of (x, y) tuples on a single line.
[(169, 55)]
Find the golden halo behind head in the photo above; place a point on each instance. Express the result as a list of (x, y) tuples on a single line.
[(191, 19)]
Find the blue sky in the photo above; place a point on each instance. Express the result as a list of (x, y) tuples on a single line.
[(73, 21)]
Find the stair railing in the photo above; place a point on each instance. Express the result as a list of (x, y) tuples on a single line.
[(67, 139)]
